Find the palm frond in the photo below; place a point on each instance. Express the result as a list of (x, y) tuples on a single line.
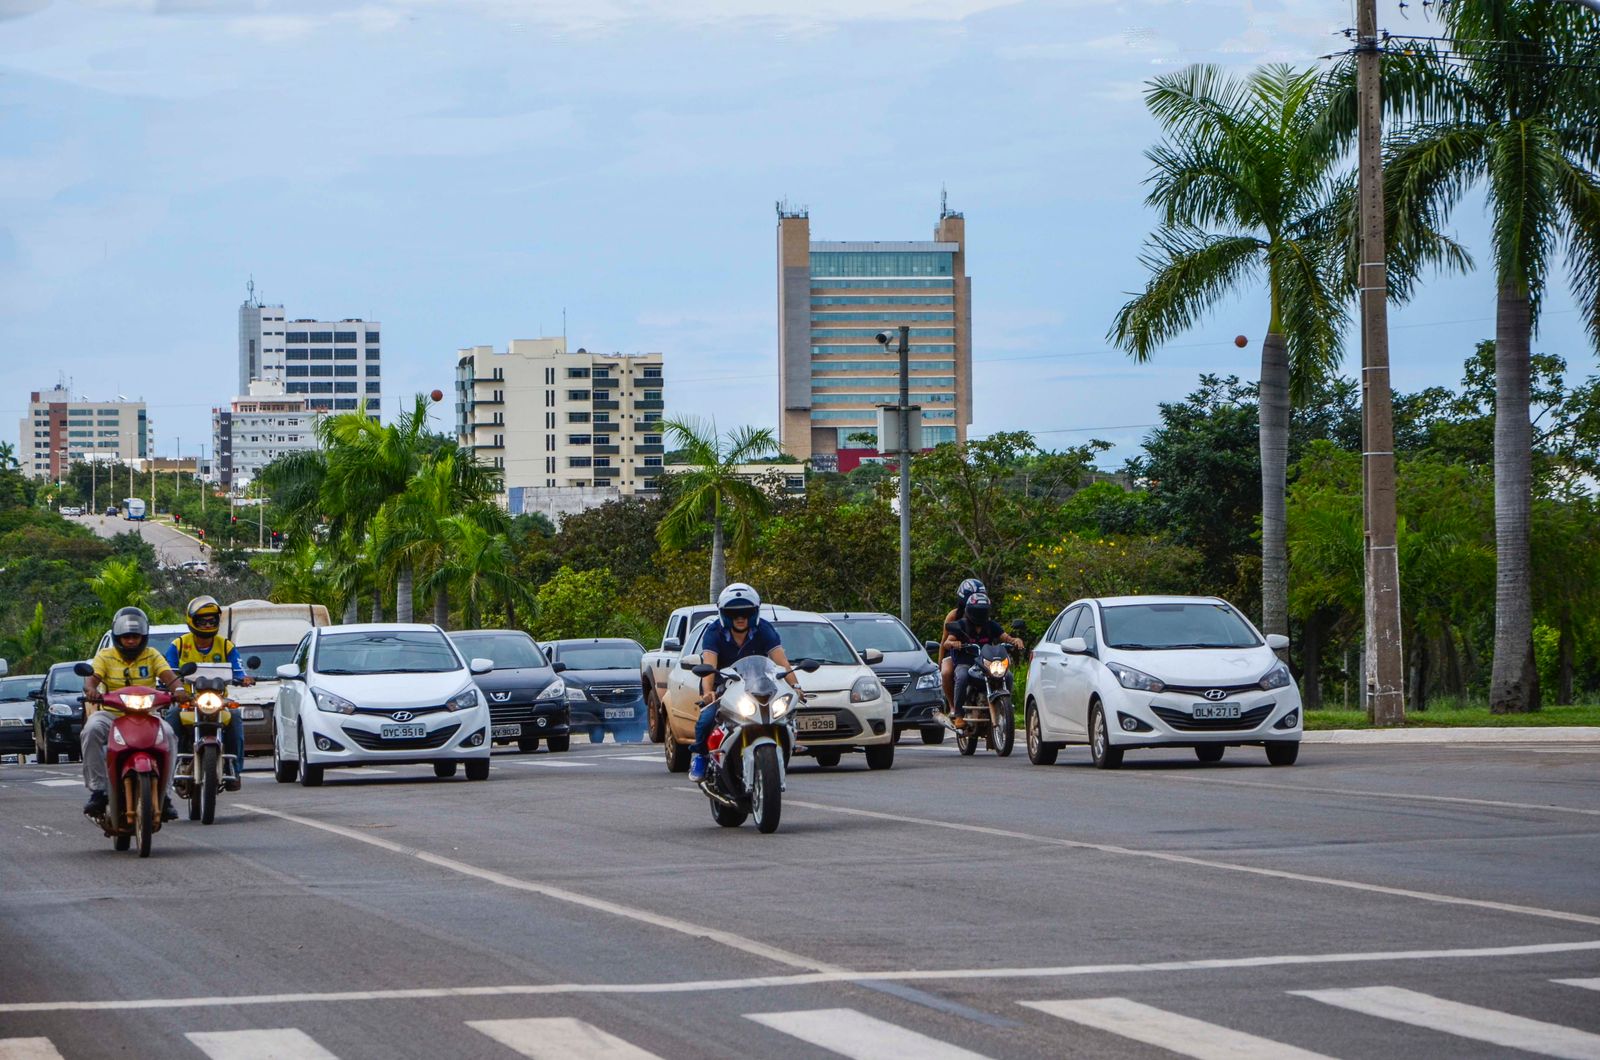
[(1190, 272)]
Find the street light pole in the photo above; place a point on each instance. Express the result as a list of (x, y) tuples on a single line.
[(905, 474)]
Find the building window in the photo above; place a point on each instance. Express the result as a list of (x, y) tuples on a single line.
[(344, 336), (577, 395), (578, 461), (578, 373), (296, 355), (372, 370), (323, 354), (549, 443), (344, 388), (652, 373), (372, 387), (652, 395), (344, 353), (296, 370), (372, 336), (579, 439), (549, 377), (652, 461), (297, 388), (322, 369), (322, 336), (297, 336), (343, 369), (344, 403), (372, 353), (577, 417), (322, 388), (882, 263), (602, 461)]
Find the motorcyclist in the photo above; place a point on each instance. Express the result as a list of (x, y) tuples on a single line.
[(740, 632), (975, 627), (201, 646), (947, 665), (129, 660)]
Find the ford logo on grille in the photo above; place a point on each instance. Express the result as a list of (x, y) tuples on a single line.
[(1216, 694), (499, 697), (402, 715)]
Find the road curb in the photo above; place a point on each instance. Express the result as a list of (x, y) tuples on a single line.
[(1474, 734)]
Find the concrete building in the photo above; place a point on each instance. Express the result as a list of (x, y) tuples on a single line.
[(335, 364), (586, 424), (60, 430), (256, 429), (833, 299)]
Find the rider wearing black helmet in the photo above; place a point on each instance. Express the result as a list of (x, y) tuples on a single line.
[(129, 660), (975, 627), (947, 665)]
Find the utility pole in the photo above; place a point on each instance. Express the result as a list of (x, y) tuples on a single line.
[(94, 507), (1385, 669), (903, 448)]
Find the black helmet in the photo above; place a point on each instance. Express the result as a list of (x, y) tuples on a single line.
[(130, 620), (966, 589), (979, 609)]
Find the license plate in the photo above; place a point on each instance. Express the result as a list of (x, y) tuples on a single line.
[(502, 731), (816, 723), (23, 721), (402, 732), (254, 713), (1215, 711), (618, 712)]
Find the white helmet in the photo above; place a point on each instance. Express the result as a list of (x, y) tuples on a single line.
[(738, 599)]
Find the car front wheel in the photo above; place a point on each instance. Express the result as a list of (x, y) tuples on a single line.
[(1209, 752), (1283, 752), (881, 756), (1100, 749)]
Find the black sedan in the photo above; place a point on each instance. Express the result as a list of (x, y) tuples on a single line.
[(603, 686), (58, 716), (16, 712), (906, 671), (526, 702)]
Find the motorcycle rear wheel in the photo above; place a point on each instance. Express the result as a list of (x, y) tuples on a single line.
[(966, 739), (766, 791), (1004, 734), (144, 819), (210, 781), (727, 816)]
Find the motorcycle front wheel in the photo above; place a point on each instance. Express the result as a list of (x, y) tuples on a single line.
[(144, 818), (766, 792), (210, 781)]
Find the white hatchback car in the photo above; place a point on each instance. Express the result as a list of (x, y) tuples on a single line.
[(377, 694), (1127, 672)]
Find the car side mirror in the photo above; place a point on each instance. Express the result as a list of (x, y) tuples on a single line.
[(187, 668), (253, 663), (288, 672), (558, 667), (1277, 642), (808, 666), (931, 647), (672, 644), (83, 669), (689, 663), (5, 668), (872, 656), (481, 666), (699, 669), (1075, 646)]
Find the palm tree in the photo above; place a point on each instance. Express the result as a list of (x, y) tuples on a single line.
[(449, 482), (712, 493), (1248, 187), (119, 584), (1514, 103), (8, 456), (478, 568)]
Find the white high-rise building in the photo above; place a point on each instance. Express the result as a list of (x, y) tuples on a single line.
[(334, 364), (257, 429)]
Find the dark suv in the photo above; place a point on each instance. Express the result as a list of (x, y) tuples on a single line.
[(58, 716), (602, 679), (906, 671), (526, 702)]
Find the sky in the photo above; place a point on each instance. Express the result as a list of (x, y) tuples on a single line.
[(473, 171)]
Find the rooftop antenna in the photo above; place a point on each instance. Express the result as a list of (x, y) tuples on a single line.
[(944, 201), (250, 291), (563, 327)]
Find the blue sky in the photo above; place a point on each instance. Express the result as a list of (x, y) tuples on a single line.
[(465, 170)]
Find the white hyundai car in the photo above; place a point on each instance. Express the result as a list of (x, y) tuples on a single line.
[(379, 694), (1126, 672)]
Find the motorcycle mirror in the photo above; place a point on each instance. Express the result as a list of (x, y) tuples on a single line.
[(699, 669), (809, 666), (253, 663), (186, 669), (931, 647), (83, 669), (1017, 625)]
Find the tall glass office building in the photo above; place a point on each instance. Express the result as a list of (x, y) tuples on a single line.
[(833, 299)]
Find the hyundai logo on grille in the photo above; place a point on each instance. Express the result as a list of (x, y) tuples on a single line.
[(402, 715), (1215, 694), (499, 697)]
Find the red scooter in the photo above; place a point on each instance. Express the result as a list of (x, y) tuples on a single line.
[(138, 761)]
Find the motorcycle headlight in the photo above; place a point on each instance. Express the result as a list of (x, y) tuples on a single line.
[(745, 706), (208, 702), (467, 697), (781, 705), (865, 690), (1137, 680), (332, 704), (61, 710), (556, 689), (140, 702), (928, 680), (1277, 677), (997, 667)]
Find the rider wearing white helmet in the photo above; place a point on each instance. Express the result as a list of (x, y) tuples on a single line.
[(740, 632)]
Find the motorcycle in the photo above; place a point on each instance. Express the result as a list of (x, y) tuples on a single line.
[(201, 773), (987, 712), (750, 746), (137, 759)]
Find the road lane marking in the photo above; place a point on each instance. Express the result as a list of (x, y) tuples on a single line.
[(694, 986), (559, 1038), (859, 1036), (1385, 795), (1169, 1030), (357, 771), (1207, 863), (56, 783), (28, 1049), (1587, 984), (284, 1044), (1463, 1021), (561, 894)]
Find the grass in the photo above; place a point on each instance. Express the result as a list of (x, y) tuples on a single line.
[(1449, 713)]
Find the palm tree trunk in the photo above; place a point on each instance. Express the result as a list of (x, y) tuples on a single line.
[(511, 612), (719, 562), (1274, 484), (377, 600), (1565, 660), (441, 608), (1311, 653), (352, 609), (1513, 680), (402, 594)]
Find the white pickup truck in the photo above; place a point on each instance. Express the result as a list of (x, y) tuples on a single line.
[(656, 666)]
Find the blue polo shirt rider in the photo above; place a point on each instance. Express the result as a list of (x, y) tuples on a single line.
[(739, 633)]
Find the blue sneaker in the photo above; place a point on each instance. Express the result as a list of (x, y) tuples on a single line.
[(697, 768)]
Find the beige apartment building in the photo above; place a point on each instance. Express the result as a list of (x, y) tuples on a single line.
[(833, 299), (59, 431), (568, 430)]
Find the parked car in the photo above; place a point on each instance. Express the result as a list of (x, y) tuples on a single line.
[(268, 633), (527, 703), (69, 510), (847, 706), (379, 694), (17, 694), (58, 716), (161, 637), (601, 690), (906, 671), (656, 666), (112, 509), (1127, 672)]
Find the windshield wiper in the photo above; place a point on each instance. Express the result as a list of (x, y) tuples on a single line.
[(342, 673), (403, 670)]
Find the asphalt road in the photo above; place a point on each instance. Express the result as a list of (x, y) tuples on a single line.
[(172, 548), (1373, 902)]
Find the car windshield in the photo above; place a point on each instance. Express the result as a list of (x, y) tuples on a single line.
[(601, 656), (64, 682), (272, 656), (816, 640), (881, 632), (386, 651), (16, 688), (1157, 627), (162, 641), (510, 651)]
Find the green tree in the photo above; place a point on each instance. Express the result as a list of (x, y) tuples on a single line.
[(713, 495), (119, 584), (1519, 117), (30, 649), (478, 567), (577, 604)]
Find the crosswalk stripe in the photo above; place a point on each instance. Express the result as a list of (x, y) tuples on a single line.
[(286, 1043), (57, 783), (28, 1049), (1169, 1030), (859, 1036), (559, 1038), (1587, 984), (1463, 1021)]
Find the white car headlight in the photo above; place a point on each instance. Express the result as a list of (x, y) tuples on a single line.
[(332, 704), (462, 700), (556, 689), (865, 690), (928, 680), (1137, 680), (1277, 677), (576, 693), (61, 710)]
